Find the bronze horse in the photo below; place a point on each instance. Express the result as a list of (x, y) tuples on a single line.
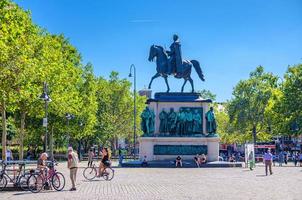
[(161, 56)]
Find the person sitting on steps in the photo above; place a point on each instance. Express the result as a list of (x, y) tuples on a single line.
[(197, 160), (178, 161), (203, 159)]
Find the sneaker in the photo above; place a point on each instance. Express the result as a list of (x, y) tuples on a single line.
[(72, 189)]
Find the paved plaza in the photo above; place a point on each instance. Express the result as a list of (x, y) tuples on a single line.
[(171, 183)]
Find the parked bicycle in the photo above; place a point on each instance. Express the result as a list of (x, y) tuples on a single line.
[(90, 173), (19, 180), (47, 178)]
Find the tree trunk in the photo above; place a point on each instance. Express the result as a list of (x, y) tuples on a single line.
[(4, 132), (254, 135), (22, 131)]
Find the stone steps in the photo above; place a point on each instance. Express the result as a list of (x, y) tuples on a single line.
[(186, 164)]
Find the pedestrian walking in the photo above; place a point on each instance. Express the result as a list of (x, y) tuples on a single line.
[(281, 158), (268, 159), (90, 157), (296, 158), (72, 164), (251, 160), (285, 157), (300, 159), (274, 159)]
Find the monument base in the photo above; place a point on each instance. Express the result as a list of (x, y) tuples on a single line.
[(168, 148)]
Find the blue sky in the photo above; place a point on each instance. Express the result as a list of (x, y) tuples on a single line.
[(228, 37)]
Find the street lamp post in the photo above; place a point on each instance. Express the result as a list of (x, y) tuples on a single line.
[(133, 68), (68, 117), (81, 124), (46, 98)]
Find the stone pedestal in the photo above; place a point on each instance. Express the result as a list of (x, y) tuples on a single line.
[(165, 146), (149, 147)]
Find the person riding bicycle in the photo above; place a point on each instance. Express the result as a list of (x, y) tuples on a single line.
[(105, 162)]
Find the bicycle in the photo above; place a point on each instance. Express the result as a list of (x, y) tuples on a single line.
[(90, 173), (19, 181), (45, 179)]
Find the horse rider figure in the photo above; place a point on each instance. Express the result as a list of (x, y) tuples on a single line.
[(175, 60)]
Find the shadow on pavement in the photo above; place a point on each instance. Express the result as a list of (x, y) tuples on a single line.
[(97, 180)]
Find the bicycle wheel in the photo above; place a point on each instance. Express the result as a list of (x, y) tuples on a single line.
[(89, 173), (3, 182), (35, 183), (108, 174), (58, 181), (23, 182)]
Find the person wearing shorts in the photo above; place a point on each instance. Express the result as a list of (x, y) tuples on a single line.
[(72, 165), (105, 162)]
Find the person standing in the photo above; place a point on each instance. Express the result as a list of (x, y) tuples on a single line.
[(295, 158), (28, 153), (281, 158), (72, 164), (268, 159), (285, 157), (300, 159), (274, 159), (120, 155), (90, 157), (9, 155)]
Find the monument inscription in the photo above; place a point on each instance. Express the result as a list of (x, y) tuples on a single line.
[(180, 149)]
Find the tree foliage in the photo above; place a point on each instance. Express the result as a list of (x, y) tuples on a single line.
[(251, 99), (30, 56)]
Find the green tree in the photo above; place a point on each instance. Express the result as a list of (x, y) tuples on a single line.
[(247, 108), (115, 110), (207, 94), (287, 108), (16, 34)]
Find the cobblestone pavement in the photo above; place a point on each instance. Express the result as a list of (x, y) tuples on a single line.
[(156, 184)]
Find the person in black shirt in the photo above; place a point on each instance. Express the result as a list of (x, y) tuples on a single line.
[(178, 161), (105, 162)]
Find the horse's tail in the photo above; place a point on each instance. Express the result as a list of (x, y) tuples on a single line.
[(198, 69)]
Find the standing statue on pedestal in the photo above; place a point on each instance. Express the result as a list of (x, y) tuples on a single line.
[(196, 122), (163, 117), (147, 123), (181, 122), (211, 122), (152, 121), (189, 121), (171, 63), (172, 119)]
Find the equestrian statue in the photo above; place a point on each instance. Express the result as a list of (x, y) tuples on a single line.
[(170, 63)]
